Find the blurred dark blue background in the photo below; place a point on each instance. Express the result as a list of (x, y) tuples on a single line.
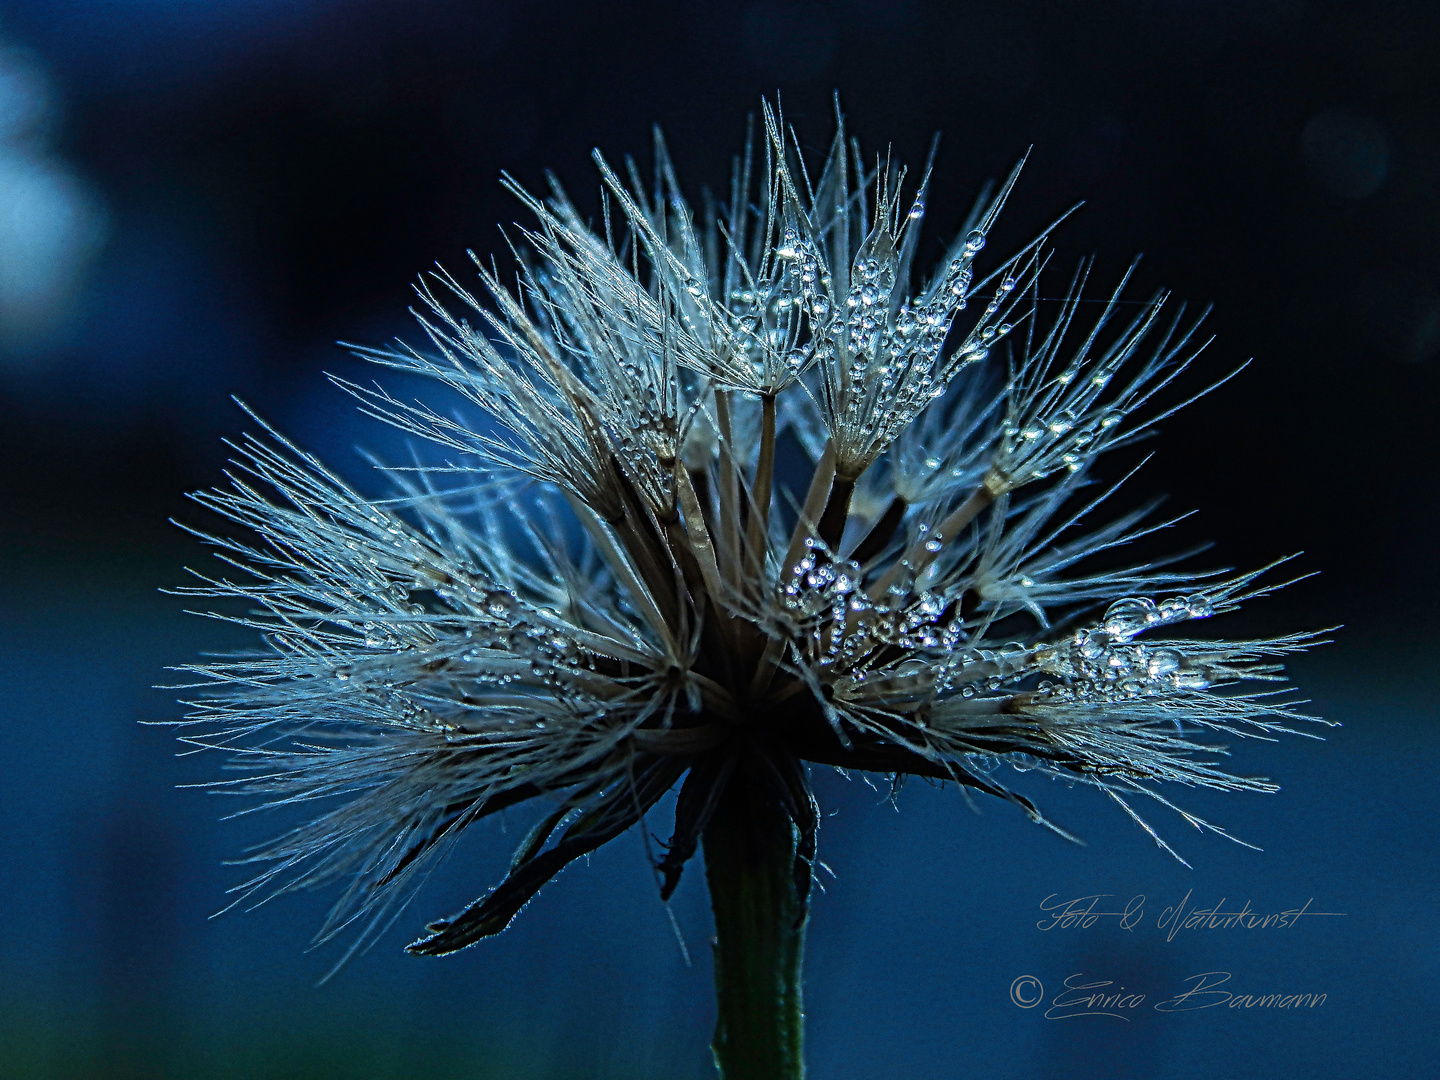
[(198, 197)]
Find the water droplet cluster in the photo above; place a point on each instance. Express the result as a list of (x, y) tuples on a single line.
[(1104, 663), (888, 347), (842, 629)]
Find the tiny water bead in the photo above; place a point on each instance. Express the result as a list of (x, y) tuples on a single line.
[(1126, 618), (1163, 662)]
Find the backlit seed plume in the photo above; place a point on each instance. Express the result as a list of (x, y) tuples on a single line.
[(610, 589)]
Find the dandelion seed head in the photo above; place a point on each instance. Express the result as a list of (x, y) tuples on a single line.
[(620, 594)]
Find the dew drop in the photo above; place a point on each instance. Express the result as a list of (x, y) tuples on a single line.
[(1200, 607), (1163, 662), (1126, 618), (499, 603)]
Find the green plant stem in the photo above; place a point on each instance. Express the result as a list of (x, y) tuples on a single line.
[(759, 935)]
